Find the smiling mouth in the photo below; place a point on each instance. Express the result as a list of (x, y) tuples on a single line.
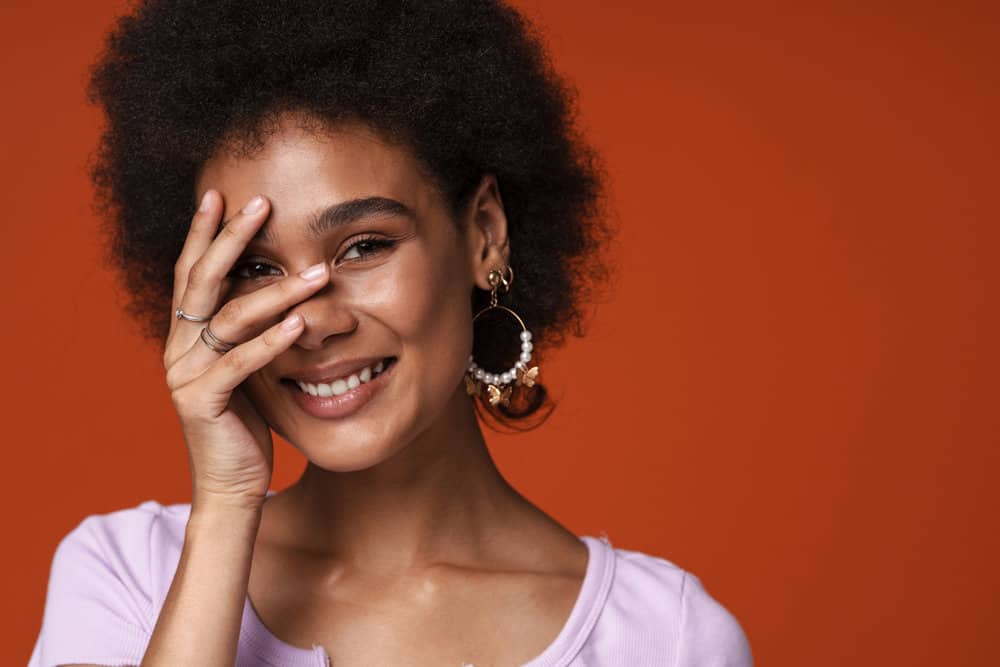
[(344, 384)]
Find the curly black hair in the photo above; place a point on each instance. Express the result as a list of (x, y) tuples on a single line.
[(466, 84)]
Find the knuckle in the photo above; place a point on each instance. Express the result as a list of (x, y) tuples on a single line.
[(235, 359), (174, 380), (183, 400), (230, 231), (270, 338), (197, 274), (232, 312)]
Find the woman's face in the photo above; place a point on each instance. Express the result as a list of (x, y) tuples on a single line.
[(402, 292)]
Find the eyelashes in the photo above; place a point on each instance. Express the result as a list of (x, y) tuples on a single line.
[(238, 270), (363, 248), (374, 243)]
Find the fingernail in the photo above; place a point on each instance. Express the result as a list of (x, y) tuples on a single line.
[(313, 272), (292, 322), (205, 203), (254, 205)]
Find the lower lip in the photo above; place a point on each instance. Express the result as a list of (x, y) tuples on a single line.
[(335, 407)]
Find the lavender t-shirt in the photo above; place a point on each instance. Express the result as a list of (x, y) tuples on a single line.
[(110, 576)]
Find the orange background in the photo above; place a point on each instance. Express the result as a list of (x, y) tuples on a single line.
[(791, 393)]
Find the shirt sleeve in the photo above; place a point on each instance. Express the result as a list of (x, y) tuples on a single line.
[(98, 607), (710, 636)]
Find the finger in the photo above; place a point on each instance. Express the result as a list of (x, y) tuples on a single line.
[(214, 387), (203, 228), (203, 286), (245, 317)]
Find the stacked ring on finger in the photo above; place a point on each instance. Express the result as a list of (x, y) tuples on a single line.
[(214, 343), (181, 315)]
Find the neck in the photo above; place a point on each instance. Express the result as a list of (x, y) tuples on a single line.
[(440, 498)]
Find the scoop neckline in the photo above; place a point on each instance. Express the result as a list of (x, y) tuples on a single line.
[(583, 616)]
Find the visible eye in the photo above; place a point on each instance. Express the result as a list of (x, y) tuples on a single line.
[(248, 270), (366, 247)]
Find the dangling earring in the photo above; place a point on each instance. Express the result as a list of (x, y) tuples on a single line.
[(498, 386)]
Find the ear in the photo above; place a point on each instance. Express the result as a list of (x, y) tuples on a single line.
[(485, 227)]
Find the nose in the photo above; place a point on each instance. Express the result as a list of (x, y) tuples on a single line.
[(325, 315)]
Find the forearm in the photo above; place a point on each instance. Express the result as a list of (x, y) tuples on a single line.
[(199, 623)]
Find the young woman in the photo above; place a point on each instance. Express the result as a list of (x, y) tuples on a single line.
[(342, 220)]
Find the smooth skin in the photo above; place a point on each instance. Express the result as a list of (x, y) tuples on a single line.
[(401, 543)]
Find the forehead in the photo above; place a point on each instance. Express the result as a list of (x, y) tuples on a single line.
[(303, 166)]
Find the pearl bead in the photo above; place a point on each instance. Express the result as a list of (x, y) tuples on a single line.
[(480, 373), (525, 335), (527, 346), (526, 357)]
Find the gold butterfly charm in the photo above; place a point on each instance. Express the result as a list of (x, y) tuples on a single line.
[(526, 377), (471, 386), (499, 395)]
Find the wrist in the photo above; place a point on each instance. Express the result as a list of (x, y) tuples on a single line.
[(232, 513), (227, 501)]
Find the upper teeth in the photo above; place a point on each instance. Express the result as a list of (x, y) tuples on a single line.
[(340, 385)]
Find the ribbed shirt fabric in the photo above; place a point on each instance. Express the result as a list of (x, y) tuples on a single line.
[(110, 576)]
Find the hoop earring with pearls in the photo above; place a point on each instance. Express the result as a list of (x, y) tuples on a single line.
[(499, 386)]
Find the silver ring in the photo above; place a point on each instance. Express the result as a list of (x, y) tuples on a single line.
[(214, 343), (181, 315)]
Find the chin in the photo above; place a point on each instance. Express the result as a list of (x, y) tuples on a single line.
[(347, 450)]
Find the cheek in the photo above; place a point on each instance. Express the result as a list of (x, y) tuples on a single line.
[(261, 391), (426, 304), (261, 387)]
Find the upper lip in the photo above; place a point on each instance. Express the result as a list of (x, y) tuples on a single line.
[(326, 373)]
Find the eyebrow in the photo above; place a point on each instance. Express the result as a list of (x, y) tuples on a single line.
[(342, 214)]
